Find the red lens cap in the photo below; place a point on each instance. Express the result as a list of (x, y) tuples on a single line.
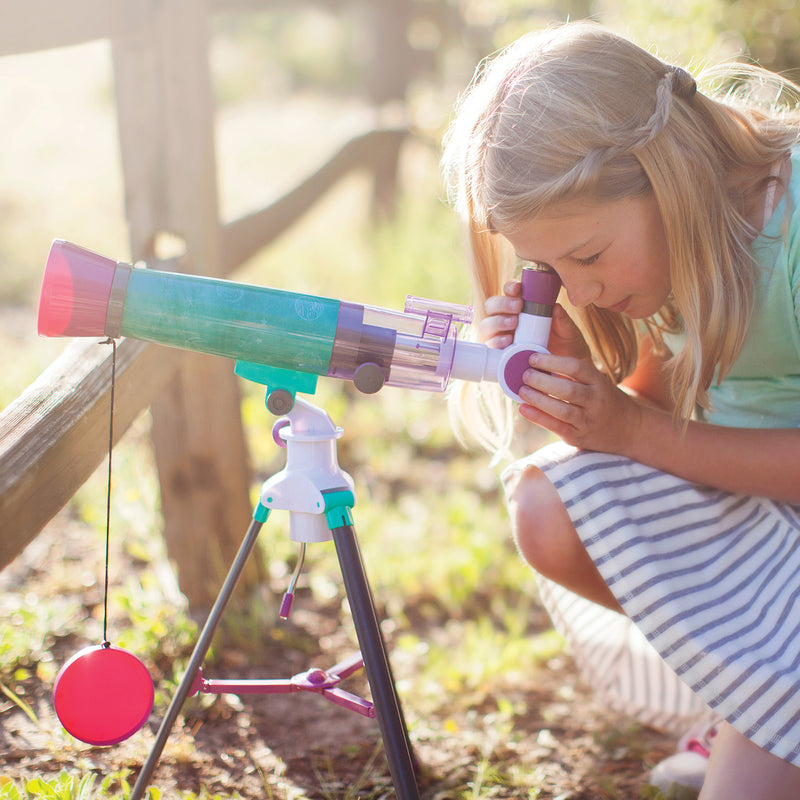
[(103, 695)]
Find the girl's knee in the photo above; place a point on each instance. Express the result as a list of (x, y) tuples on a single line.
[(539, 521), (548, 541)]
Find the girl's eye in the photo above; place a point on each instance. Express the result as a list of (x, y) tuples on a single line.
[(587, 262)]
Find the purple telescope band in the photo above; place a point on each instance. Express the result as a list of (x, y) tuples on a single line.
[(540, 286)]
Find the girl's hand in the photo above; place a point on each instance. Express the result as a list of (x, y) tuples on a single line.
[(575, 401), (497, 328), (566, 338), (570, 397)]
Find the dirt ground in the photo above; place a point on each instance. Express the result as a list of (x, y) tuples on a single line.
[(564, 743), (302, 746)]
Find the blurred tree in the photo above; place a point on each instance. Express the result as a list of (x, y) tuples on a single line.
[(771, 31), (698, 31), (689, 32)]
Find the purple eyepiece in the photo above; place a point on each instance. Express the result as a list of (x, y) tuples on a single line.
[(540, 286)]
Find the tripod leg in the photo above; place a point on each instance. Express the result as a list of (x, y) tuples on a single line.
[(199, 653), (376, 663)]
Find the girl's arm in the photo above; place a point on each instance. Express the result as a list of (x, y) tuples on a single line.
[(649, 381), (754, 461), (583, 407)]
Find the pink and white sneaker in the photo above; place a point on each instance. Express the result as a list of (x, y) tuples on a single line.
[(687, 767)]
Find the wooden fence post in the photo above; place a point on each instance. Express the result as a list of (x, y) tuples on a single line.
[(166, 121), (391, 68)]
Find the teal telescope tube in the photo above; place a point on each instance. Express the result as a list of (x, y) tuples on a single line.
[(86, 294), (280, 337), (247, 323), (275, 336)]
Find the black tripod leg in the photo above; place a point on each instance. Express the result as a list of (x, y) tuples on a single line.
[(199, 653), (376, 663)]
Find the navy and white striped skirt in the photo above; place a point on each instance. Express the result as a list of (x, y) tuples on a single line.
[(710, 583)]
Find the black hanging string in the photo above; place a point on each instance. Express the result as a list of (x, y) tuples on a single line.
[(113, 344)]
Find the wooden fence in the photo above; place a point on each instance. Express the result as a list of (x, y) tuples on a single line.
[(55, 434)]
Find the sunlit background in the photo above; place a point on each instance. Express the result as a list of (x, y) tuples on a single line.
[(293, 82), (290, 85)]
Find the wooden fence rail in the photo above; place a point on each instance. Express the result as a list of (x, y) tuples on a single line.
[(56, 433)]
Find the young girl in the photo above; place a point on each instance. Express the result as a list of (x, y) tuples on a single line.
[(673, 383)]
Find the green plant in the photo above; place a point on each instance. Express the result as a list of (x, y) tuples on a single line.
[(27, 631), (674, 792), (20, 703), (71, 786)]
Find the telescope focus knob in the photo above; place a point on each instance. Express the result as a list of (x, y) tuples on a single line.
[(369, 378), (280, 402)]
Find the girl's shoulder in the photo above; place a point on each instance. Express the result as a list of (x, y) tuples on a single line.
[(784, 225), (763, 386)]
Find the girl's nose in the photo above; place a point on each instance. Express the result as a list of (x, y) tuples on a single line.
[(583, 293)]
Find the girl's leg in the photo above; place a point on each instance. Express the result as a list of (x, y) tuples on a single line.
[(548, 541), (740, 770)]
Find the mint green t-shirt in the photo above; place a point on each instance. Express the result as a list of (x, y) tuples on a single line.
[(762, 389)]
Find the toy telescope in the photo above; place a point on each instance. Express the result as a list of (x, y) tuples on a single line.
[(282, 339)]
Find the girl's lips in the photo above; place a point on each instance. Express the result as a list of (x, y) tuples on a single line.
[(619, 307)]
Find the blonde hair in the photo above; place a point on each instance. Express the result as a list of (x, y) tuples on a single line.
[(580, 112)]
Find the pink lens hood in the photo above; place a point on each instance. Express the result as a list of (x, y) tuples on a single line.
[(75, 291)]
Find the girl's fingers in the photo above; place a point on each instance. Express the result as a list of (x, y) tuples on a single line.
[(501, 312), (497, 328), (502, 304), (555, 387), (574, 400), (497, 331), (565, 391), (575, 369), (546, 404)]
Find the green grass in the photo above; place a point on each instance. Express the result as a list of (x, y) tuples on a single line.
[(68, 786)]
